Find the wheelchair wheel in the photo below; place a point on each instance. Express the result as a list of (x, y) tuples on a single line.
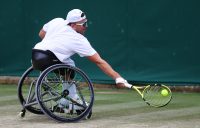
[(65, 93), (26, 92)]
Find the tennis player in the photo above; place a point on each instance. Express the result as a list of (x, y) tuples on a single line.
[(63, 38)]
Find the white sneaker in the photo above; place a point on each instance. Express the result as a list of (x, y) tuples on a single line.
[(63, 103)]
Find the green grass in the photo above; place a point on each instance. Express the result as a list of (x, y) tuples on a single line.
[(126, 106), (8, 95), (127, 102), (6, 90)]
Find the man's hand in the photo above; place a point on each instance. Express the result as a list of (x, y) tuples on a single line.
[(121, 82)]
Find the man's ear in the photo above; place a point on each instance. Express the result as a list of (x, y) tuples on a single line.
[(72, 25)]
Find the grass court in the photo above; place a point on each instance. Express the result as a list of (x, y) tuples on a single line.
[(113, 108)]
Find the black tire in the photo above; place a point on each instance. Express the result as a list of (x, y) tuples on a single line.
[(48, 92), (28, 78)]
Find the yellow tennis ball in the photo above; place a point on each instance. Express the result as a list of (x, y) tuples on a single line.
[(164, 92)]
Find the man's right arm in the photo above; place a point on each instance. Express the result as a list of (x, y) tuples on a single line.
[(107, 69), (103, 65)]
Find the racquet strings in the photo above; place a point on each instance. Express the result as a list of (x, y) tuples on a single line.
[(152, 96)]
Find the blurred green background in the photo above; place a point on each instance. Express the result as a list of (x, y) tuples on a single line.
[(145, 41)]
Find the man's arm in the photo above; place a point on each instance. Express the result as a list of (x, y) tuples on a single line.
[(42, 34), (104, 66), (107, 69)]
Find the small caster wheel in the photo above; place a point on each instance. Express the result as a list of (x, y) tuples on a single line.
[(89, 115), (22, 114)]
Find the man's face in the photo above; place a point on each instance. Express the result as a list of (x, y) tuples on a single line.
[(81, 26)]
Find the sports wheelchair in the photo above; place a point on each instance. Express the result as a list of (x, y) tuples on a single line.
[(41, 92)]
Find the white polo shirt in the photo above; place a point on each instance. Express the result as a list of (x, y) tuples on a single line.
[(63, 41)]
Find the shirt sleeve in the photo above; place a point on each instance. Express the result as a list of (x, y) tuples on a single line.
[(83, 48), (54, 21)]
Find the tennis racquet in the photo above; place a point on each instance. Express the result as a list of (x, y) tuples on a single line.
[(153, 94)]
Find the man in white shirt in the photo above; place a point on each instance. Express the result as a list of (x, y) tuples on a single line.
[(63, 38)]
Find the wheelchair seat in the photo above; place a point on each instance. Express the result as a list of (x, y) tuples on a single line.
[(43, 59)]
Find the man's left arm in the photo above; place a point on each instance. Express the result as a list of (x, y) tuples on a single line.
[(42, 33)]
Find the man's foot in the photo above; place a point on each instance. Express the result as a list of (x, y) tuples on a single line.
[(58, 109)]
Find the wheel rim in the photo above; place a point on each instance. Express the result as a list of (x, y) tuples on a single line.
[(48, 93)]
